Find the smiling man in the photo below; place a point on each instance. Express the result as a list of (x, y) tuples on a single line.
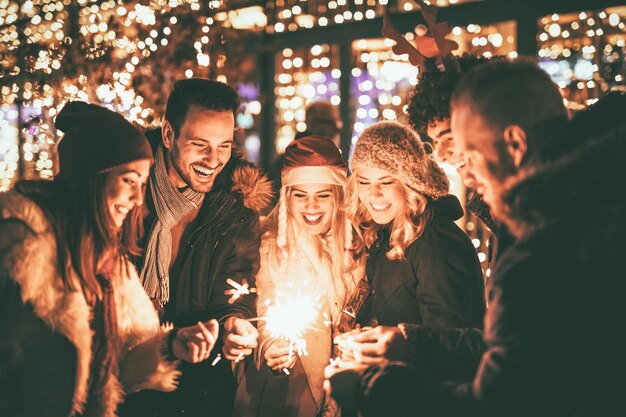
[(203, 226)]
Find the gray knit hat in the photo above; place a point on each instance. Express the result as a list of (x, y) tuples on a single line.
[(394, 148)]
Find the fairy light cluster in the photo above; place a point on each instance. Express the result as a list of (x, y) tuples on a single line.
[(292, 15), (585, 52), (380, 83), (303, 75), (105, 51)]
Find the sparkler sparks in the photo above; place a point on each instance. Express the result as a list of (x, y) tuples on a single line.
[(238, 290), (290, 318)]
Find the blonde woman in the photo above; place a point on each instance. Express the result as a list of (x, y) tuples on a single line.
[(422, 268), (303, 253)]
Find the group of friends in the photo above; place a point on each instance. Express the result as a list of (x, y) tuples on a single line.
[(117, 277)]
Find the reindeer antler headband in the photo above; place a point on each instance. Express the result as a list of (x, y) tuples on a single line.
[(435, 47)]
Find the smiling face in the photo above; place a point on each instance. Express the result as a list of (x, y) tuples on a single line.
[(201, 150), (484, 154), (380, 193), (312, 206), (124, 189), (447, 149)]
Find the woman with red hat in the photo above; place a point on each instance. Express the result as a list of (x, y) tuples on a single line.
[(77, 330), (305, 254)]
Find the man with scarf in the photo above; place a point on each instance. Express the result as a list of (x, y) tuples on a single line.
[(203, 236)]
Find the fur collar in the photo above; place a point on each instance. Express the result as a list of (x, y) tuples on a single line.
[(32, 264), (247, 180)]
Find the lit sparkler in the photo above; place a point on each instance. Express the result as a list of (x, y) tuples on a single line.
[(290, 319), (238, 290)]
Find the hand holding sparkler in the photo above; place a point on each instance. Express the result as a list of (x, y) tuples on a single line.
[(240, 338), (380, 345), (279, 356), (195, 343)]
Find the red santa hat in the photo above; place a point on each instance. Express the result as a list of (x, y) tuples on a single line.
[(309, 160)]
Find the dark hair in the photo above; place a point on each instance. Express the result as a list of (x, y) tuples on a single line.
[(84, 230), (200, 93), (430, 101), (507, 92)]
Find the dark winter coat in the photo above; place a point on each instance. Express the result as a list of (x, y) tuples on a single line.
[(554, 344), (440, 282), (224, 244)]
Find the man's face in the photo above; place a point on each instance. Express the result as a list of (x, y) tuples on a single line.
[(483, 152), (201, 150), (446, 149)]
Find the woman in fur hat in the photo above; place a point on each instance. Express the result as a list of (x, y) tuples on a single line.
[(77, 330), (422, 268), (305, 253)]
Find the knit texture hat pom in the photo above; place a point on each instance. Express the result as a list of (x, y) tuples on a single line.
[(96, 140), (396, 149)]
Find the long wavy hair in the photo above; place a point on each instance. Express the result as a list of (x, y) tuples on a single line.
[(88, 242), (340, 227), (406, 227)]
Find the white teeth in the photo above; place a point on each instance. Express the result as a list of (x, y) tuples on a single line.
[(123, 210), (312, 218), (459, 164), (203, 171), (381, 207)]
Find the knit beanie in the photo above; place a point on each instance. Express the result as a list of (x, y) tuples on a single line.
[(96, 140), (309, 160), (396, 149)]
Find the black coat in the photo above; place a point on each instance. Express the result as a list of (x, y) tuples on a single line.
[(224, 244), (439, 284), (553, 331)]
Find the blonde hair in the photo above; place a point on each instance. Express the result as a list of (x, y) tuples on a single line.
[(282, 226), (407, 226)]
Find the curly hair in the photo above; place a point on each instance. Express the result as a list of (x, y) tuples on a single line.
[(430, 101)]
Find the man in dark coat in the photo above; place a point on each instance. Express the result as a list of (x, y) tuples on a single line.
[(202, 243), (550, 331)]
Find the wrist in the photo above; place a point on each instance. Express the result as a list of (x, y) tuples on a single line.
[(170, 343)]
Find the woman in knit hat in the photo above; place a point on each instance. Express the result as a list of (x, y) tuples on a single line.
[(77, 330), (305, 254), (422, 268)]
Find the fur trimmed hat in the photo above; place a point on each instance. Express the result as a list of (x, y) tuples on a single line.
[(313, 159), (309, 160), (396, 149), (96, 140)]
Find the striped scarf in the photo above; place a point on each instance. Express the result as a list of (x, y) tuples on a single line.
[(171, 205)]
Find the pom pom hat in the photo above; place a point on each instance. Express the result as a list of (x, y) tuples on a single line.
[(96, 140), (396, 149), (309, 160)]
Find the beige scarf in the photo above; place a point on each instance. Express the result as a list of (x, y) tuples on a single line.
[(171, 205)]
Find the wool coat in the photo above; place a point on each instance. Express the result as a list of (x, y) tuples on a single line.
[(45, 329), (439, 284), (264, 393)]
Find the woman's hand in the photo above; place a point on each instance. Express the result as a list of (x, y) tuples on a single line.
[(277, 355)]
